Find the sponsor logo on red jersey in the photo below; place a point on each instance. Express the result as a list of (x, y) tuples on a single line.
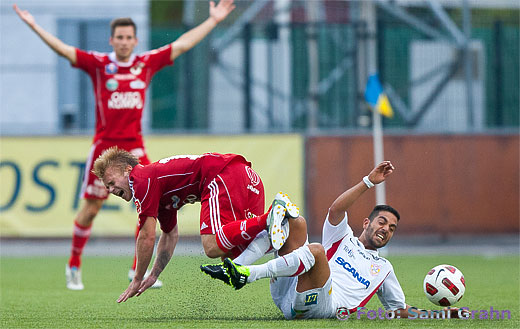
[(125, 100)]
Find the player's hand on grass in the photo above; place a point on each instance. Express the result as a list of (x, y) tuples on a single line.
[(147, 283), (220, 11), (131, 291), (379, 173), (24, 15)]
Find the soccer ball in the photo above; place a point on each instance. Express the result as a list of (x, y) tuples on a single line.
[(444, 285)]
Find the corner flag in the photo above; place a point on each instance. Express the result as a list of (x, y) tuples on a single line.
[(375, 96)]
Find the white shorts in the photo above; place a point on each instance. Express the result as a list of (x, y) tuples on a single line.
[(311, 304)]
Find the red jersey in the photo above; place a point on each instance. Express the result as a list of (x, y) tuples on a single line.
[(163, 187), (120, 89)]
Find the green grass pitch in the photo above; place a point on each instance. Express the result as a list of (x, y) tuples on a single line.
[(33, 295)]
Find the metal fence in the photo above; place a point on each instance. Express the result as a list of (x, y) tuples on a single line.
[(423, 76)]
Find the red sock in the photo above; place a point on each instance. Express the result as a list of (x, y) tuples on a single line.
[(80, 237), (240, 232), (135, 252)]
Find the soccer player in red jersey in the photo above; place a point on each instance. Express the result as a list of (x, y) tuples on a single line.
[(120, 80), (231, 196)]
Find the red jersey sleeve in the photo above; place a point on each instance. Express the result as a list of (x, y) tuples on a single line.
[(158, 58), (88, 61)]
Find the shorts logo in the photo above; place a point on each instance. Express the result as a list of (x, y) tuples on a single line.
[(311, 299), (252, 189), (110, 68), (253, 176)]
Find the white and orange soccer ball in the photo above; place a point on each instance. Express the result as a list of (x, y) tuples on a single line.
[(444, 285)]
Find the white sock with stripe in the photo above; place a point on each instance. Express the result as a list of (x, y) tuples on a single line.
[(255, 250), (295, 263)]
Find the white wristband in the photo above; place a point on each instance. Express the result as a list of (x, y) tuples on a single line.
[(367, 182)]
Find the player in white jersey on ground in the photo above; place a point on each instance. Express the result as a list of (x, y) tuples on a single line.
[(341, 274)]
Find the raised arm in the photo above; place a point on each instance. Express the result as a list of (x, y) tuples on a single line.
[(347, 198), (191, 38), (61, 48), (165, 248)]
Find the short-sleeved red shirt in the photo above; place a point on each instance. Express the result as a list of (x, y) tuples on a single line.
[(120, 89), (168, 184)]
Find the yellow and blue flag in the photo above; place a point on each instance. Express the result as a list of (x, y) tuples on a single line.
[(376, 97)]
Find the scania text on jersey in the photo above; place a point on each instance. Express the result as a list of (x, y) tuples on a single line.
[(125, 100), (346, 265)]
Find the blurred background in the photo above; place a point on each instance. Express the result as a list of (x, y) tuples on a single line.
[(283, 82)]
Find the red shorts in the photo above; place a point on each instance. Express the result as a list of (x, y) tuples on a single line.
[(92, 187), (236, 193)]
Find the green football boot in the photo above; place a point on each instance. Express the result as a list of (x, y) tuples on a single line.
[(216, 271), (237, 273)]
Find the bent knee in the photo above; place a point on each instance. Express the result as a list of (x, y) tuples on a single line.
[(89, 211), (213, 252), (316, 249), (298, 225), (211, 248)]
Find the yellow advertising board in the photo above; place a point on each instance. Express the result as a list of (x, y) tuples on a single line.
[(40, 180)]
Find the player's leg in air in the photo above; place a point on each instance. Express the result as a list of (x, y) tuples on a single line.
[(270, 231), (296, 258), (232, 212)]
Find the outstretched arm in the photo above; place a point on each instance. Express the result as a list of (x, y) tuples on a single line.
[(61, 48), (165, 248), (144, 249), (191, 38), (347, 198)]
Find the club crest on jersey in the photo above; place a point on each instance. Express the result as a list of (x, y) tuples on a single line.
[(137, 68), (111, 68), (375, 269), (112, 84)]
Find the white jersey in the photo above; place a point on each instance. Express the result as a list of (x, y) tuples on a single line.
[(358, 273)]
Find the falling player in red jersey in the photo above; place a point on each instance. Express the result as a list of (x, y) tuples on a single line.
[(120, 80), (230, 192)]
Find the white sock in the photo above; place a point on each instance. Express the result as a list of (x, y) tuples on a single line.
[(295, 263), (256, 249)]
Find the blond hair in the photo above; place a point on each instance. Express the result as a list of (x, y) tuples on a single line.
[(113, 157)]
